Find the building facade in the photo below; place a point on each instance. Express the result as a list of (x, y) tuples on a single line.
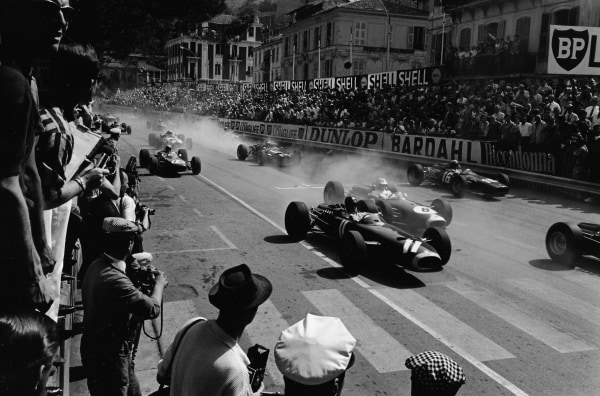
[(267, 60), (469, 24), (337, 38), (206, 55)]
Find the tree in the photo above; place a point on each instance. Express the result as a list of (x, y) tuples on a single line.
[(120, 27)]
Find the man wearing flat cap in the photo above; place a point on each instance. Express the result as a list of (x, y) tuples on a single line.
[(434, 374), (208, 359), (313, 356), (111, 303)]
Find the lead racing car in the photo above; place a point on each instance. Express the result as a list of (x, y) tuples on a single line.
[(395, 207), (169, 161), (361, 229), (268, 152), (458, 180), (568, 242), (170, 139)]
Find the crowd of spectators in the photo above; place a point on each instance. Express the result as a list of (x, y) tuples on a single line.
[(554, 116)]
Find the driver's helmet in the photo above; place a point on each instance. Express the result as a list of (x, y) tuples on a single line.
[(168, 148), (169, 133), (454, 164), (350, 204), (371, 219), (381, 184)]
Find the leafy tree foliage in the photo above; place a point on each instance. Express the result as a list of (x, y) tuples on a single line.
[(120, 27)]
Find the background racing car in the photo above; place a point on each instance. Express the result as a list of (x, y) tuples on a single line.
[(568, 242), (268, 152), (169, 161), (170, 139), (393, 205), (106, 122), (458, 180), (360, 228)]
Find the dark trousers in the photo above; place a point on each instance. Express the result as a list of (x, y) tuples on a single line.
[(110, 371)]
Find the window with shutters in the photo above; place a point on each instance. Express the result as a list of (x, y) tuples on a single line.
[(286, 49), (574, 16), (465, 38), (523, 28), (277, 54), (295, 46), (218, 69), (410, 37), (329, 35), (317, 38), (360, 33), (358, 66), (544, 33), (305, 41), (218, 49)]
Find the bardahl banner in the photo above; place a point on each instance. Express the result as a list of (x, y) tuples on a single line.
[(444, 149), (574, 50)]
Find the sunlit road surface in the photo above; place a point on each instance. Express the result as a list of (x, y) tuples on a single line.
[(516, 322)]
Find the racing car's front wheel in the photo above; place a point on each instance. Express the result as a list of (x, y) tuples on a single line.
[(297, 220), (354, 251), (182, 153), (242, 152), (438, 239), (144, 157), (503, 178), (153, 166), (333, 192), (196, 165), (444, 209), (262, 157), (367, 205), (128, 129), (386, 210), (415, 174), (562, 243), (458, 185)]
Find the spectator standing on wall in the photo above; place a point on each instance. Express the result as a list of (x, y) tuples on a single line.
[(525, 131), (539, 130), (592, 112), (29, 30)]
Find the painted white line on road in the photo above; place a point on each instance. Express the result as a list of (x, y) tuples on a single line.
[(471, 359), (265, 330), (182, 198), (160, 178), (382, 350), (303, 187), (558, 340), (223, 237), (488, 371), (516, 242), (170, 187), (548, 294), (191, 250), (197, 212)]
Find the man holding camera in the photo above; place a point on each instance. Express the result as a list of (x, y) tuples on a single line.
[(110, 302), (208, 359)]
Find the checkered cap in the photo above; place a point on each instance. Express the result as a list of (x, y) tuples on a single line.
[(119, 225), (435, 371)]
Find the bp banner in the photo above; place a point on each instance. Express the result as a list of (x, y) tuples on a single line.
[(574, 50)]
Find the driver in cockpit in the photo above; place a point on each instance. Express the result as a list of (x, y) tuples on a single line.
[(381, 189), (360, 217)]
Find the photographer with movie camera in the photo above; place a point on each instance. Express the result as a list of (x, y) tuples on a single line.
[(112, 307), (205, 357)]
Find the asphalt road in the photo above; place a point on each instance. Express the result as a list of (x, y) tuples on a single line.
[(516, 322)]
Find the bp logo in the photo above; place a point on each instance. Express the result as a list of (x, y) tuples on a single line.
[(569, 47)]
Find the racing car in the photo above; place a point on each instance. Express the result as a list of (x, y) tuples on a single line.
[(107, 121), (360, 228), (169, 139), (458, 180), (393, 205), (268, 152), (568, 242), (169, 161)]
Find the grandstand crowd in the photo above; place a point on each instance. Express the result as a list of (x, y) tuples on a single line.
[(561, 117)]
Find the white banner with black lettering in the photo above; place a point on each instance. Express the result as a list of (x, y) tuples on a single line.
[(574, 50)]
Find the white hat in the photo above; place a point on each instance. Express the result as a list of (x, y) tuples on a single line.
[(315, 350), (115, 131)]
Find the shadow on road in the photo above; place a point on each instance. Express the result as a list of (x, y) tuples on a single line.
[(585, 264)]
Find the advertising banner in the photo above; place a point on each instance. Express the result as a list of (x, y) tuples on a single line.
[(442, 148), (539, 162), (574, 50)]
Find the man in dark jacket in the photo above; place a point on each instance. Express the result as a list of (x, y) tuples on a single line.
[(112, 306)]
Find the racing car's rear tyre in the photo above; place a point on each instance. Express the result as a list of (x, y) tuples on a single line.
[(440, 241), (188, 143), (444, 209), (153, 166), (563, 241), (297, 220), (458, 185), (333, 192), (152, 139), (386, 210), (182, 153), (128, 129), (262, 157), (367, 205), (503, 178), (354, 251), (144, 157), (242, 152), (415, 174), (196, 165)]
